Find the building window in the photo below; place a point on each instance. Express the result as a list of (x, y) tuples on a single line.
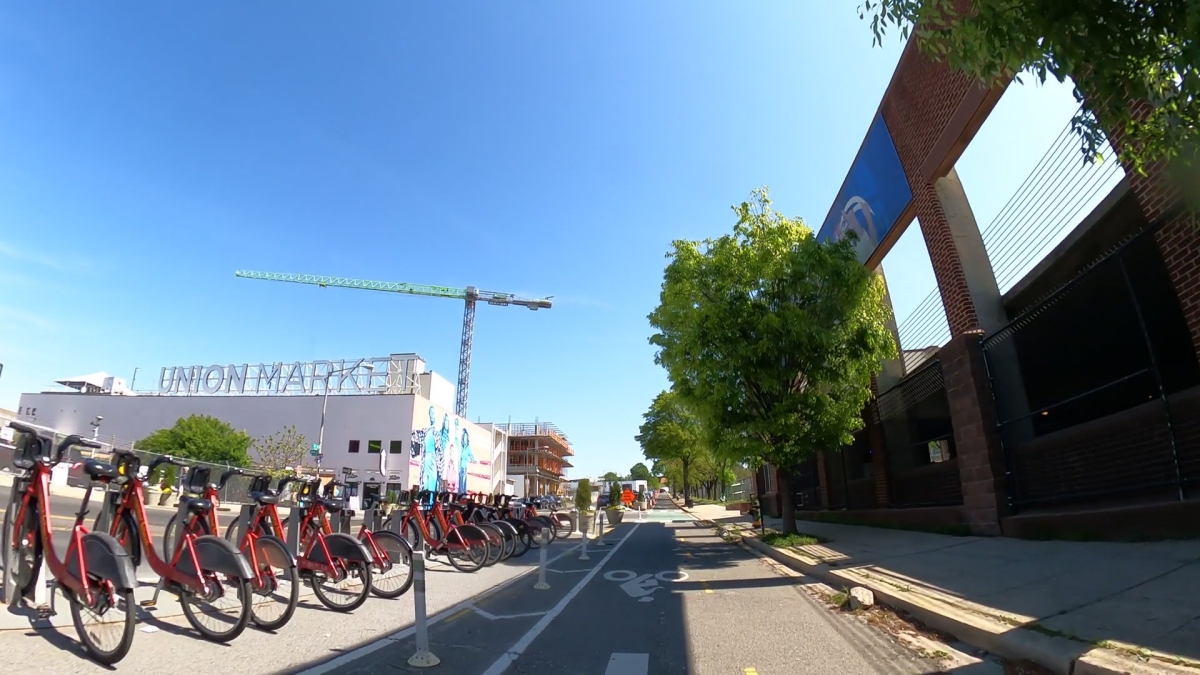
[(396, 447), (374, 447), (353, 446)]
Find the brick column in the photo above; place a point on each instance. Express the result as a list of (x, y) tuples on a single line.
[(976, 437), (1158, 194), (879, 454)]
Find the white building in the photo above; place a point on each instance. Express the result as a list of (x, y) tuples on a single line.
[(384, 424)]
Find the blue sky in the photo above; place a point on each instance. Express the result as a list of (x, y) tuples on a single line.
[(542, 148)]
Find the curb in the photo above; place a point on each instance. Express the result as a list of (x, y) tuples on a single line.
[(1059, 654)]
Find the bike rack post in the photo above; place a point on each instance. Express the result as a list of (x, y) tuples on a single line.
[(541, 584), (10, 580), (244, 518), (104, 517), (583, 532), (600, 530), (341, 522), (423, 658), (371, 519), (293, 530)]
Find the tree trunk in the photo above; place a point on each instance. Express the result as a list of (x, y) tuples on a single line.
[(787, 507), (687, 498)]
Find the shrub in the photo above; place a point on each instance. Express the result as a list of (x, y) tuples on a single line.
[(583, 496), (614, 495)]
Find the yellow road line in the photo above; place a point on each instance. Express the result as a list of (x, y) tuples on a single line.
[(750, 671), (460, 614)]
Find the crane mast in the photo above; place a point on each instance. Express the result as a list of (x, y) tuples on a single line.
[(469, 295)]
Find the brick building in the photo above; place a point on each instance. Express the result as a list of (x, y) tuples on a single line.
[(1070, 402)]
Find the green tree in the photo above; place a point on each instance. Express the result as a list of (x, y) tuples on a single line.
[(611, 477), (1117, 52), (614, 495), (583, 496), (279, 453), (639, 471), (672, 434), (203, 438), (772, 337)]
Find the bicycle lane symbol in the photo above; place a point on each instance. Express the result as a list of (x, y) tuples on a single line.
[(642, 586)]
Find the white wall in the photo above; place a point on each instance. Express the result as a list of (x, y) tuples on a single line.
[(438, 389), (130, 418)]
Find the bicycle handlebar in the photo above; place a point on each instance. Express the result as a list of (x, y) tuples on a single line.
[(164, 459), (63, 447), (231, 472)]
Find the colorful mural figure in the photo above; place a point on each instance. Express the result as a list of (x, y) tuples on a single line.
[(442, 454), (466, 458)]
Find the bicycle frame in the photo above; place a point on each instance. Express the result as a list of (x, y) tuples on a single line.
[(132, 501), (249, 535), (309, 544), (38, 489)]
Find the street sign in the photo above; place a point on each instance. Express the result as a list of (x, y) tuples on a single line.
[(315, 450)]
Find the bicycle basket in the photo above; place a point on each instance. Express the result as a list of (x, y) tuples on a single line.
[(260, 484), (128, 465), (198, 478), (29, 450)]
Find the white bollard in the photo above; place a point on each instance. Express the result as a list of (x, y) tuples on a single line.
[(600, 531), (541, 584), (584, 537), (423, 658)]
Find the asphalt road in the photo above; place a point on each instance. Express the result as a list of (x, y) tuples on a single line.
[(665, 597)]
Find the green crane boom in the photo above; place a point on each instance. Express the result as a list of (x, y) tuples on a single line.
[(469, 295)]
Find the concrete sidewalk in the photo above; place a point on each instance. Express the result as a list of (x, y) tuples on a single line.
[(1052, 602)]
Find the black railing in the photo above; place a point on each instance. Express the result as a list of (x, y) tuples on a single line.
[(914, 414), (1100, 360)]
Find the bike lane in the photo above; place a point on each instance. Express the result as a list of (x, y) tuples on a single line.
[(471, 639)]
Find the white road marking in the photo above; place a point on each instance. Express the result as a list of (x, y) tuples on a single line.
[(519, 648), (352, 656), (628, 664)]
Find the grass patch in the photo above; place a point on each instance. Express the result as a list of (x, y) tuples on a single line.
[(780, 540)]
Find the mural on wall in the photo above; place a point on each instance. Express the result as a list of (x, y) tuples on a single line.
[(441, 453)]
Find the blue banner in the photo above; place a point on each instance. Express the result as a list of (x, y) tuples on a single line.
[(875, 193)]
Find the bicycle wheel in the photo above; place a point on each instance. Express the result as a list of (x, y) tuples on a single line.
[(121, 615), (391, 576), (510, 537), (23, 565), (348, 598), (275, 589), (495, 542), (466, 554), (229, 623)]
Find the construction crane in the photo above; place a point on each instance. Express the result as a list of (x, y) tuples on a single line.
[(470, 295)]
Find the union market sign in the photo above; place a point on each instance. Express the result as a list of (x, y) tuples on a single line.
[(395, 374)]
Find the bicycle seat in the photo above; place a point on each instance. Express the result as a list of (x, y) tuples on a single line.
[(197, 505), (331, 505), (97, 469), (265, 497)]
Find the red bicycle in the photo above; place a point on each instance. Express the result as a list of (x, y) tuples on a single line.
[(391, 554), (199, 568), (96, 577), (465, 546), (274, 584), (328, 557)]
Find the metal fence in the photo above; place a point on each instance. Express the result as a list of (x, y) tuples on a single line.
[(1095, 388), (922, 461)]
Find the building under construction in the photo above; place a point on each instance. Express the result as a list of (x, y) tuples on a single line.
[(537, 458)]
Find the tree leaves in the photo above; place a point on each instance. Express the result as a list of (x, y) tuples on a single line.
[(279, 453), (202, 438), (769, 338), (1121, 54)]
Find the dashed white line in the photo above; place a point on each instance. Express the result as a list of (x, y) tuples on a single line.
[(628, 664), (519, 648)]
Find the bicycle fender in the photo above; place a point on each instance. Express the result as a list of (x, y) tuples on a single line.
[(105, 558), (217, 555), (471, 533), (290, 561), (341, 546)]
